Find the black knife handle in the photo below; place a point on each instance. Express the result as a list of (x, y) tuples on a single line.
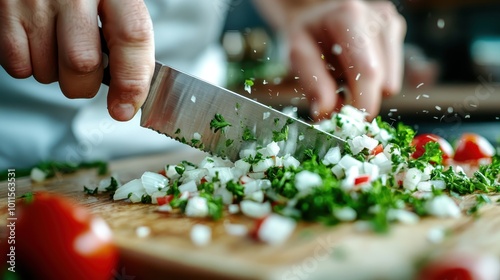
[(106, 78)]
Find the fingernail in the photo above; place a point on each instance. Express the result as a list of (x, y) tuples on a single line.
[(123, 111)]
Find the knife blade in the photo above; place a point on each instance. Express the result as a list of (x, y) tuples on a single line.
[(188, 109)]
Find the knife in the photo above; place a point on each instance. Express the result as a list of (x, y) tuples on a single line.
[(221, 122)]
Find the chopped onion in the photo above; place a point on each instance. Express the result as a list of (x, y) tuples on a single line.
[(345, 214), (402, 216), (263, 165), (306, 180), (201, 235), (333, 156), (233, 208), (37, 175), (254, 209), (188, 187), (412, 178), (276, 229), (132, 187), (153, 182), (235, 229), (197, 207), (442, 206), (290, 161), (224, 173)]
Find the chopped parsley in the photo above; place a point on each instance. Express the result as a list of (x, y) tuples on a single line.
[(218, 123), (248, 85), (90, 191), (248, 135)]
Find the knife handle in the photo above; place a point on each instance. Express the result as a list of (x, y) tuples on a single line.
[(106, 78)]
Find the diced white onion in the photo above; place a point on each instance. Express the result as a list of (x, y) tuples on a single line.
[(233, 208), (305, 180), (197, 207), (345, 214), (201, 235), (290, 161), (402, 216), (254, 209), (235, 229), (263, 165), (152, 181), (37, 175), (276, 229), (412, 178), (333, 156), (442, 206), (188, 187), (134, 187)]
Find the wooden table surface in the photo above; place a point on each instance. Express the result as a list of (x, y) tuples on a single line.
[(314, 251)]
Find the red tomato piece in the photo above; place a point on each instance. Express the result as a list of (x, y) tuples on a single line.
[(472, 147), (254, 233), (58, 239), (420, 140), (164, 199), (440, 273), (361, 179), (377, 150)]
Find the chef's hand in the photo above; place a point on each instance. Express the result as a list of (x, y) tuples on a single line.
[(345, 41), (58, 40)]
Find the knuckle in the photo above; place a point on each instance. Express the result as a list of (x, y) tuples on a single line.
[(138, 29), (132, 90), (15, 62), (372, 72), (83, 60)]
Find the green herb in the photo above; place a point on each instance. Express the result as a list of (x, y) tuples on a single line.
[(113, 185), (218, 123), (253, 160), (146, 199), (237, 189), (28, 197), (248, 135), (90, 191), (248, 85), (281, 135), (177, 131), (215, 206), (179, 203), (174, 189), (229, 142), (481, 200), (180, 169)]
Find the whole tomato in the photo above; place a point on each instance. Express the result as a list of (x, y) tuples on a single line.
[(471, 147), (420, 140), (59, 239)]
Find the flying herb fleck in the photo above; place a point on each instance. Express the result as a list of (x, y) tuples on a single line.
[(248, 85)]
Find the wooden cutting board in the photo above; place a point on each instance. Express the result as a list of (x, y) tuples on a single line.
[(313, 252)]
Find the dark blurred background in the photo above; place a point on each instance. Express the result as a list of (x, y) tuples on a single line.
[(452, 65)]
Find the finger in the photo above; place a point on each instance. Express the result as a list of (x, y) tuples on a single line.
[(14, 46), (129, 34), (42, 44), (308, 65), (359, 56), (392, 39), (79, 53), (394, 57)]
